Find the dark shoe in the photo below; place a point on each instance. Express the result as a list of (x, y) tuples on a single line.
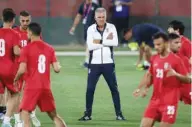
[(146, 67), (85, 65), (120, 117), (85, 118)]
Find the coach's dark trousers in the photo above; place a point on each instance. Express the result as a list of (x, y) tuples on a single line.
[(108, 72)]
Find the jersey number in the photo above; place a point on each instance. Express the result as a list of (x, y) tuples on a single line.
[(170, 110), (23, 43), (2, 47), (159, 73), (41, 64)]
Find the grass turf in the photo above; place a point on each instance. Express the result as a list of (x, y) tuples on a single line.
[(69, 89)]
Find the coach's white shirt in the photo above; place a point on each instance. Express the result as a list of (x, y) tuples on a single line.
[(101, 53)]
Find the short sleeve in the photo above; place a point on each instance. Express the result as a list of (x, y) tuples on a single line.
[(23, 56), (80, 11), (185, 47), (151, 66), (187, 64), (53, 57), (180, 67), (16, 39)]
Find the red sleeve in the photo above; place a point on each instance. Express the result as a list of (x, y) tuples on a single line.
[(187, 64), (151, 66), (53, 57), (186, 48), (180, 67), (23, 56), (188, 52), (16, 39)]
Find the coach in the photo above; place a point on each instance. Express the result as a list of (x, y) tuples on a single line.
[(101, 38)]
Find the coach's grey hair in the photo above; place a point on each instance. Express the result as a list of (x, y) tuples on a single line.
[(101, 10)]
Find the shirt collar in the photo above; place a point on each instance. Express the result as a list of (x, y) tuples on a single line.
[(105, 25)]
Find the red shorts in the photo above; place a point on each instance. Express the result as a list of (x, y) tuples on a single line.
[(43, 98), (186, 92), (163, 113), (7, 76), (8, 83)]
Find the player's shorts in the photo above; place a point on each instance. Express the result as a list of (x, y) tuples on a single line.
[(7, 76), (186, 92), (43, 98), (148, 43), (161, 113), (7, 81)]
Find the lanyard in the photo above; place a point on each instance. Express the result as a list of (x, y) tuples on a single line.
[(85, 13)]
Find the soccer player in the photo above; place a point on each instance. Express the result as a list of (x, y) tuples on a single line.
[(179, 28), (36, 59), (142, 34), (166, 73), (3, 92), (86, 12), (9, 49), (175, 44), (25, 20)]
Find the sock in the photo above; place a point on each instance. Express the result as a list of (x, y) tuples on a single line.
[(17, 117), (2, 109), (33, 114), (6, 119), (87, 56)]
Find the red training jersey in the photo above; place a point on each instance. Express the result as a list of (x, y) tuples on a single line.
[(186, 88), (185, 49), (185, 61), (23, 42), (166, 89), (24, 39), (38, 56), (8, 39)]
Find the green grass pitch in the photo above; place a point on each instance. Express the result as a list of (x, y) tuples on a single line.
[(69, 89)]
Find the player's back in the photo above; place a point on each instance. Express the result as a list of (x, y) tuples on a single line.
[(8, 39), (145, 31), (7, 42), (185, 47), (186, 88), (185, 60), (39, 57)]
